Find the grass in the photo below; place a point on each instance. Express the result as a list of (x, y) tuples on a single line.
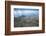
[(24, 21)]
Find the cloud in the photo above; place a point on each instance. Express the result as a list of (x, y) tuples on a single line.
[(20, 12)]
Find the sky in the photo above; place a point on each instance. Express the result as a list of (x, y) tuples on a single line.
[(23, 11)]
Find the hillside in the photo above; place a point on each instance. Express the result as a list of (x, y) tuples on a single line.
[(26, 21)]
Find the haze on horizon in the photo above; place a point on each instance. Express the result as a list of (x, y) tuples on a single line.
[(26, 12)]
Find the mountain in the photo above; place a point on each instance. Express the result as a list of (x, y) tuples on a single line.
[(26, 18), (26, 12)]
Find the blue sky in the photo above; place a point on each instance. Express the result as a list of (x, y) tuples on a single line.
[(23, 11)]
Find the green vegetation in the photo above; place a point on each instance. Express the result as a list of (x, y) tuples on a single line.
[(26, 21)]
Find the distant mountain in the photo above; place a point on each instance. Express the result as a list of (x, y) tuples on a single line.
[(25, 12), (29, 15)]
